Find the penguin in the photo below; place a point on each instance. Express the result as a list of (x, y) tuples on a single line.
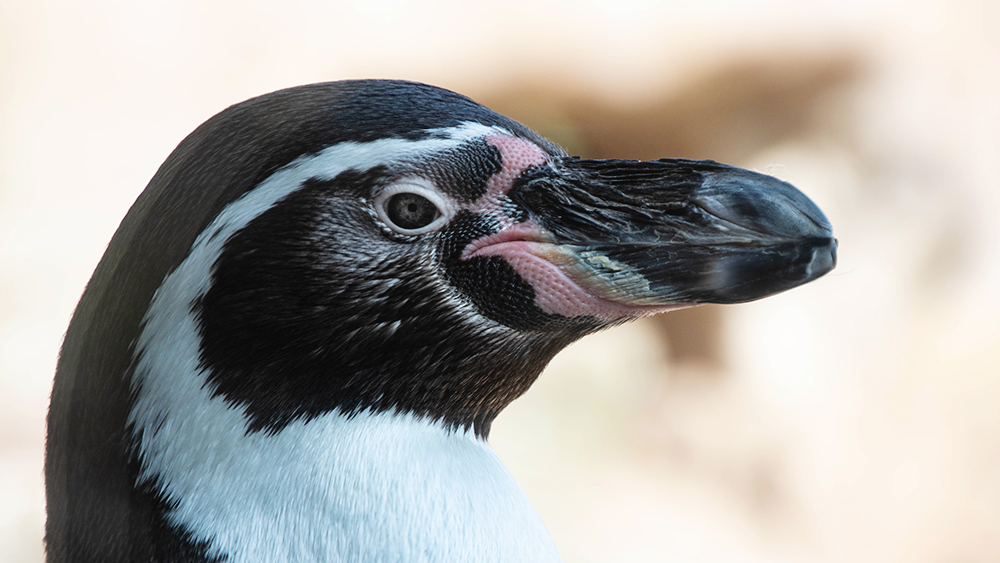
[(295, 343)]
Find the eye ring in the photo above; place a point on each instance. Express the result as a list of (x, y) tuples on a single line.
[(388, 197)]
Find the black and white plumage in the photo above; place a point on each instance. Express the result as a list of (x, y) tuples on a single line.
[(296, 342)]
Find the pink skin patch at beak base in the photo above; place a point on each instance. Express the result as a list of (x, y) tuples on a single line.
[(542, 265), (529, 250), (516, 155)]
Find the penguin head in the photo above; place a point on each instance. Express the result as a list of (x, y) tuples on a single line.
[(390, 245)]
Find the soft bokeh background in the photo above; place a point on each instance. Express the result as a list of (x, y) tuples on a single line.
[(853, 420)]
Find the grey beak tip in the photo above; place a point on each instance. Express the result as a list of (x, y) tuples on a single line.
[(762, 204)]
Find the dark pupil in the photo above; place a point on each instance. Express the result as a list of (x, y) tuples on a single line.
[(410, 211)]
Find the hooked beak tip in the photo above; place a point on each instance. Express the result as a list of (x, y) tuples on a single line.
[(762, 204)]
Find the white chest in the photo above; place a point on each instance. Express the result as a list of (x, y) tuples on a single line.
[(369, 488)]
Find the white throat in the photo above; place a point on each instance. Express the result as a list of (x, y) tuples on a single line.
[(371, 487)]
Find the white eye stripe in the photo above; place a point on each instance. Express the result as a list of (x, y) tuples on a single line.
[(445, 207)]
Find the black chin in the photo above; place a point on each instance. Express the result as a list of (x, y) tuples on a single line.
[(495, 289)]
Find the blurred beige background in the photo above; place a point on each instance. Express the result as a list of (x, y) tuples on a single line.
[(856, 419)]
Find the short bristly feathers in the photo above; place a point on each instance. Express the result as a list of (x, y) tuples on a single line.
[(297, 340)]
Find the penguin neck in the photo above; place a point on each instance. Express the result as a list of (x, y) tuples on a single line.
[(362, 487)]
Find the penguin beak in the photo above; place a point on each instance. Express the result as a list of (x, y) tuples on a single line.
[(674, 232)]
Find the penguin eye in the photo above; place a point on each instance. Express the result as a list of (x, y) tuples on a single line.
[(412, 208), (410, 211)]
